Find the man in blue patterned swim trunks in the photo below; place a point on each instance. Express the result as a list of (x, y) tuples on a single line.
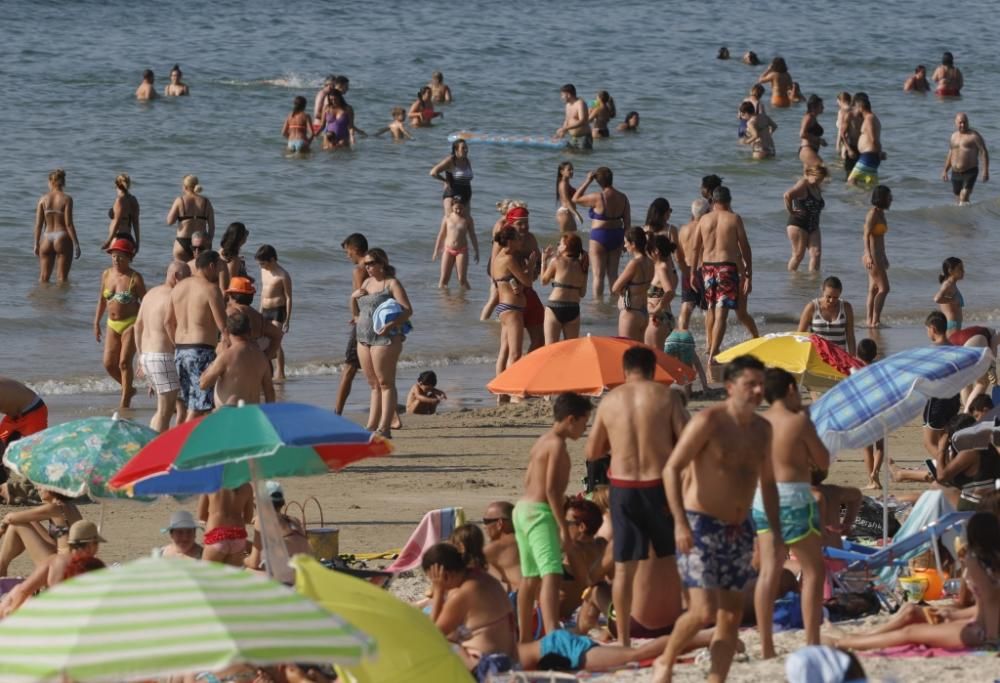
[(723, 453)]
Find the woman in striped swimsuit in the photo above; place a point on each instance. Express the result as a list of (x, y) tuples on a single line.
[(830, 317)]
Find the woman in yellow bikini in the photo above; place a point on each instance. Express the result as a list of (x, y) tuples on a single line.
[(121, 291), (56, 243), (873, 258)]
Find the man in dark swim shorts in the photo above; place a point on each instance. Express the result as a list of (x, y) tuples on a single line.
[(356, 248)]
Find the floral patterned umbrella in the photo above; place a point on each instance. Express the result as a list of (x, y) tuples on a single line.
[(79, 457)]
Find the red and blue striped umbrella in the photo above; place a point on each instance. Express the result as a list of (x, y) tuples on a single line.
[(214, 451)]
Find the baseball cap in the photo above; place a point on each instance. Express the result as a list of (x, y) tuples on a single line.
[(123, 245), (84, 531), (240, 285)]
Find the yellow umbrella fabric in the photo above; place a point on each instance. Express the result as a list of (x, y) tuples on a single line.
[(789, 351), (410, 647)]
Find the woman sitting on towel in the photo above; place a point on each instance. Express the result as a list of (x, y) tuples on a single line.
[(41, 531), (475, 614), (971, 627)]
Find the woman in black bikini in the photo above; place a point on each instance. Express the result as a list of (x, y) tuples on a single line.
[(510, 277), (661, 291), (804, 203), (41, 531), (811, 134), (56, 243), (193, 213), (124, 214), (233, 239), (632, 285), (566, 270)]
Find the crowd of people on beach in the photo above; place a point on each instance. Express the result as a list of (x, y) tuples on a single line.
[(693, 505)]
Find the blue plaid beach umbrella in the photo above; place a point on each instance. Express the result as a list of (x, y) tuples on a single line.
[(884, 396)]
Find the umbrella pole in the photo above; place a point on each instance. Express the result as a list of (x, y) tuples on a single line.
[(885, 490), (100, 519), (271, 539)]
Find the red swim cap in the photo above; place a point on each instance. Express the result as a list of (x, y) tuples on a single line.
[(516, 213)]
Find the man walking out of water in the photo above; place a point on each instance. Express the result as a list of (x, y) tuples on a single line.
[(355, 247), (198, 314), (964, 150), (722, 251), (870, 154), (575, 123), (154, 342), (722, 454), (796, 452), (639, 423), (539, 523)]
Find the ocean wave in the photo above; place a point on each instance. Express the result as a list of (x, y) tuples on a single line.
[(289, 80)]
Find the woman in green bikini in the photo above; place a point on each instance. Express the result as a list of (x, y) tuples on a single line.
[(121, 291)]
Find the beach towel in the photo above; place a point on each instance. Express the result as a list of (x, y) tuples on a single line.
[(386, 312), (924, 651), (435, 527), (817, 664)]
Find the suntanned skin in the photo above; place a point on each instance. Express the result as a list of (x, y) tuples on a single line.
[(226, 508), (14, 396), (795, 449), (583, 561), (722, 454), (964, 150), (276, 292), (638, 423), (348, 371), (501, 551), (545, 482), (575, 122), (260, 329), (154, 335), (239, 373)]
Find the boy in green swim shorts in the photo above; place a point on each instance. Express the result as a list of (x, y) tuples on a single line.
[(795, 451), (539, 532)]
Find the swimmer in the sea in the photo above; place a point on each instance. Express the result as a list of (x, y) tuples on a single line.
[(723, 53), (948, 77), (630, 124), (56, 243), (750, 58), (440, 92), (917, 82), (176, 87), (601, 113), (759, 128), (422, 110), (397, 126), (575, 122), (146, 90), (298, 127), (458, 230), (335, 120), (754, 98), (811, 134), (781, 82), (795, 94)]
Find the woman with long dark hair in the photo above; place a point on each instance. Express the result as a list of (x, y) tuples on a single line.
[(455, 174)]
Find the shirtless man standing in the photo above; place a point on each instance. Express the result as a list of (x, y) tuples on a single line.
[(691, 287), (501, 551), (241, 372), (154, 342), (24, 412), (719, 458), (146, 90), (275, 298), (639, 423), (575, 122), (226, 514), (722, 252), (197, 313), (870, 154), (795, 452), (850, 133), (355, 247), (964, 150)]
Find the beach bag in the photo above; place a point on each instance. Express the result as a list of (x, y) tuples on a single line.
[(324, 540), (869, 521), (853, 605)]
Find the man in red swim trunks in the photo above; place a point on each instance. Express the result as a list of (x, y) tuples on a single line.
[(226, 514), (534, 311), (23, 411)]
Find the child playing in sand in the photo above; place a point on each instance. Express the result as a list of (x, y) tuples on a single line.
[(275, 297), (457, 230), (540, 526), (397, 126), (424, 397)]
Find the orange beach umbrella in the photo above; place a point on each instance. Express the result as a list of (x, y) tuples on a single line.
[(587, 365)]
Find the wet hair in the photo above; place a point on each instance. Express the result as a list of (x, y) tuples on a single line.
[(437, 76), (241, 298), (147, 75), (381, 257), (660, 245), (190, 182), (867, 350), (778, 64), (757, 90), (948, 266), (639, 359), (341, 82), (455, 145), (777, 384), (947, 59), (506, 235), (336, 98), (298, 104), (58, 178), (205, 259), (747, 108), (723, 53), (604, 176), (123, 182), (844, 96), (423, 91), (636, 236), (444, 554), (937, 322), (355, 241), (739, 365), (569, 404), (266, 253), (920, 67), (861, 98), (238, 324), (470, 538), (632, 115), (572, 244), (813, 103), (587, 513), (981, 404), (983, 534), (236, 233), (398, 112), (608, 101), (177, 68), (428, 377), (709, 183), (559, 174), (721, 195), (569, 88), (880, 196), (699, 207), (752, 58), (833, 282), (656, 214)]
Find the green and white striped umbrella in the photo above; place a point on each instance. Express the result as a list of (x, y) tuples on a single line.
[(157, 617)]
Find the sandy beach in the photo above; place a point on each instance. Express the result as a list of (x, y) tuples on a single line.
[(468, 458)]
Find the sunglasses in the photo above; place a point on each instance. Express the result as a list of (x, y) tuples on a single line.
[(490, 520)]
